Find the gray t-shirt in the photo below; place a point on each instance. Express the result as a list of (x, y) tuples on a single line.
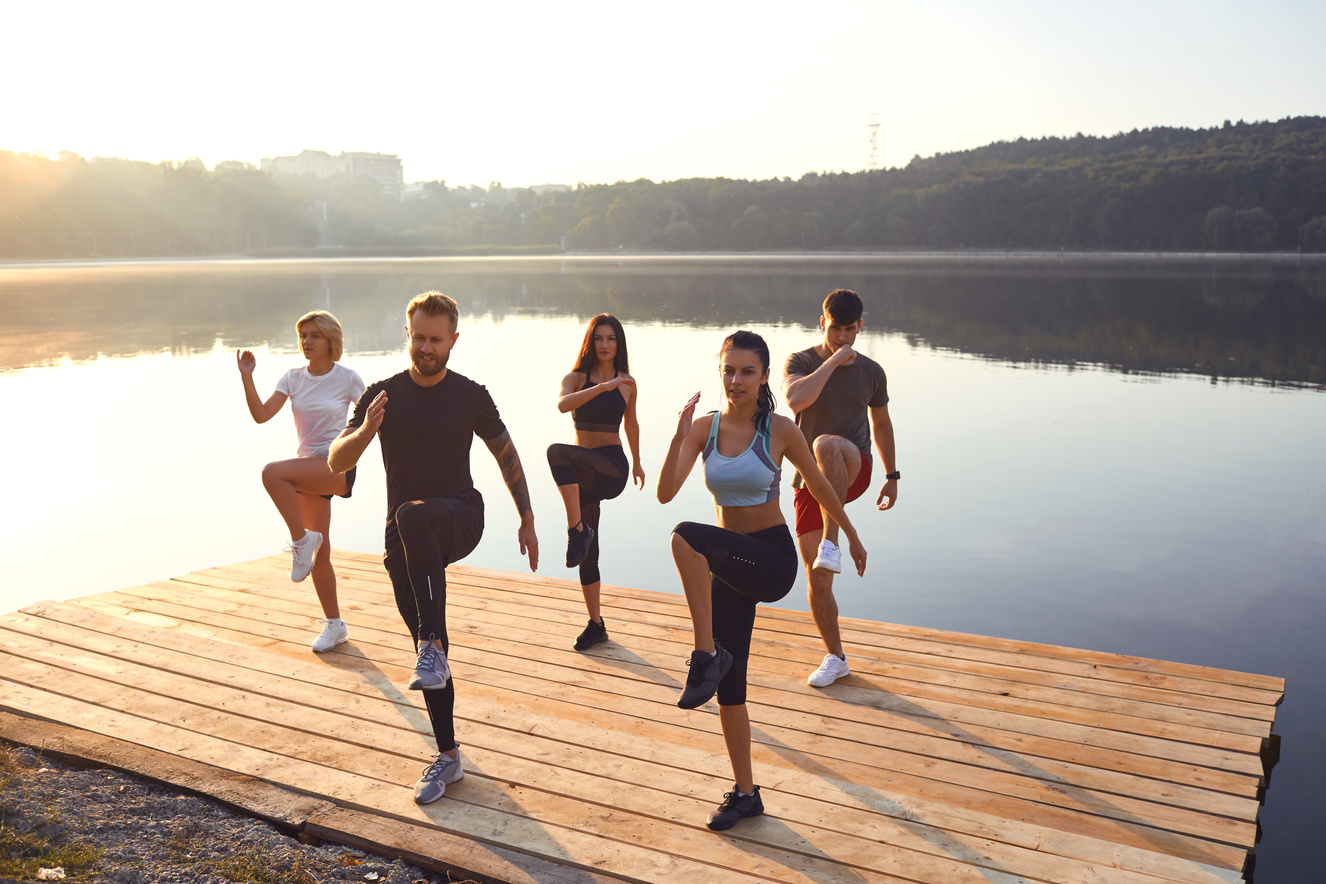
[(841, 409)]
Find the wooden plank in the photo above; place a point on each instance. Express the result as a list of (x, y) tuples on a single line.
[(991, 678), (1168, 818), (1116, 664), (941, 878), (987, 746), (1013, 712)]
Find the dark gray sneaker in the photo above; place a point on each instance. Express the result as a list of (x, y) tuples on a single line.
[(735, 807), (577, 544), (706, 672), (437, 776), (594, 633), (431, 672)]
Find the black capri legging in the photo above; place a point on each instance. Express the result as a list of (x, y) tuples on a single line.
[(601, 474), (746, 569)]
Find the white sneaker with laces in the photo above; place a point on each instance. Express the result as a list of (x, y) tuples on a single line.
[(832, 669), (332, 634), (304, 550), (829, 558)]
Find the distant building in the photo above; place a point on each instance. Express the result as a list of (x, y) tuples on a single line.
[(233, 166), (541, 189), (385, 169)]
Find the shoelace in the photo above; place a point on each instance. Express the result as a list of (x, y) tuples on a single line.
[(434, 770)]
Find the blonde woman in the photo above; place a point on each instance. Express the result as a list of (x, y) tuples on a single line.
[(321, 394)]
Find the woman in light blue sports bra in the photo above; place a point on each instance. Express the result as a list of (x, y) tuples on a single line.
[(750, 556)]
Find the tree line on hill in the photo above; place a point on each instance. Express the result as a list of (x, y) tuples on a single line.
[(1237, 187)]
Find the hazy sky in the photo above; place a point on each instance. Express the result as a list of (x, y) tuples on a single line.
[(531, 93)]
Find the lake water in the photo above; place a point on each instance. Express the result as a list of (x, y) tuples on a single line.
[(1108, 454)]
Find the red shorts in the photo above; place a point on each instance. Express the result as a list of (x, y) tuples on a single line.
[(809, 517)]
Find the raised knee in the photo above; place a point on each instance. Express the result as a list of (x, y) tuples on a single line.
[(680, 548), (406, 514)]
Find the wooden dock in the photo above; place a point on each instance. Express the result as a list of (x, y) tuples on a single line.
[(943, 757)]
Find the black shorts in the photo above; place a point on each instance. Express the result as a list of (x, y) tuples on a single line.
[(349, 485)]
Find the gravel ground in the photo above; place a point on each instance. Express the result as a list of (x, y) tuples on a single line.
[(143, 833)]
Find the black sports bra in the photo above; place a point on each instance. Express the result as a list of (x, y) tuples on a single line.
[(603, 413)]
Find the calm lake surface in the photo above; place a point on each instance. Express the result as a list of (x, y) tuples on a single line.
[(1117, 455)]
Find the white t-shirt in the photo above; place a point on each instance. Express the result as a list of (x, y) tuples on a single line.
[(320, 403)]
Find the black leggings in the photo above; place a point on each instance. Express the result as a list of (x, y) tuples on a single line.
[(746, 569), (601, 474), (423, 537)]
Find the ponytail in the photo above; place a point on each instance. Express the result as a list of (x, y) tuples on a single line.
[(764, 401)]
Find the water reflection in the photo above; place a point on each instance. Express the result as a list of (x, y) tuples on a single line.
[(1263, 323)]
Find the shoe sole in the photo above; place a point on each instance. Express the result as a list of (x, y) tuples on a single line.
[(588, 543), (317, 547), (595, 641), (826, 567), (815, 684), (333, 647), (723, 670)]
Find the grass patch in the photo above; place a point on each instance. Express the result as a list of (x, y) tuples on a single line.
[(27, 843), (189, 846)]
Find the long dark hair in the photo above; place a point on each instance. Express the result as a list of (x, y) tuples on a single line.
[(749, 340), (586, 359)]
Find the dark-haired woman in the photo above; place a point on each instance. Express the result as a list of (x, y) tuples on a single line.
[(749, 557), (600, 394)]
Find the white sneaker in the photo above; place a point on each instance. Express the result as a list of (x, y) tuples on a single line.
[(832, 669), (332, 635), (829, 558), (305, 550)]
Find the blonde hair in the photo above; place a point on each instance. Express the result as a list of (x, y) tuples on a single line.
[(434, 304), (330, 328)]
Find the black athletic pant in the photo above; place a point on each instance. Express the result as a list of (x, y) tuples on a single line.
[(423, 537), (601, 474), (746, 569)]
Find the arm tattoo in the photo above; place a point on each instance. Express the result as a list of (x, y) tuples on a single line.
[(504, 450)]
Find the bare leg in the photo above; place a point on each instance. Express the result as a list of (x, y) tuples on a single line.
[(571, 497), (316, 512), (693, 568), (823, 606), (591, 593), (282, 478), (840, 462), (736, 734)]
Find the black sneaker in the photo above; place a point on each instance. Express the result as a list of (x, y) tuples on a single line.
[(735, 807), (577, 544), (594, 633), (706, 672)]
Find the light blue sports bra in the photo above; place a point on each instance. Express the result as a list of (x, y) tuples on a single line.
[(748, 479)]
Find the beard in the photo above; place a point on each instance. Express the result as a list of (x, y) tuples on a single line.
[(430, 368)]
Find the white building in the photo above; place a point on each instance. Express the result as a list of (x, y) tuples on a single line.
[(383, 168)]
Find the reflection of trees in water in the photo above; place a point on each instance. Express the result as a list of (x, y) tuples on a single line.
[(1258, 322)]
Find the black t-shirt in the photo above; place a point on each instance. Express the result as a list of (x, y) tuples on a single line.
[(426, 434)]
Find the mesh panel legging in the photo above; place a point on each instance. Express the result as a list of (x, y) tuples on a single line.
[(601, 475), (745, 569), (423, 537)]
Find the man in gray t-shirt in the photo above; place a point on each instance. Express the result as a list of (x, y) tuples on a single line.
[(841, 401)]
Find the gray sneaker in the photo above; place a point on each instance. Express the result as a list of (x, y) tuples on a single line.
[(431, 673), (437, 776)]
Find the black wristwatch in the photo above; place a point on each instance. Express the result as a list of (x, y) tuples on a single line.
[(896, 474)]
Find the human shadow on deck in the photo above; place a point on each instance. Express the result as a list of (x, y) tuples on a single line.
[(622, 658), (1186, 847), (879, 803), (360, 664)]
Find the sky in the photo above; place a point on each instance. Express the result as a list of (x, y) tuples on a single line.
[(538, 93)]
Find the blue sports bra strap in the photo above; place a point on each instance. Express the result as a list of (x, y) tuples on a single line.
[(711, 444)]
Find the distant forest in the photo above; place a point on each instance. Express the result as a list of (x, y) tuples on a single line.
[(1238, 187)]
